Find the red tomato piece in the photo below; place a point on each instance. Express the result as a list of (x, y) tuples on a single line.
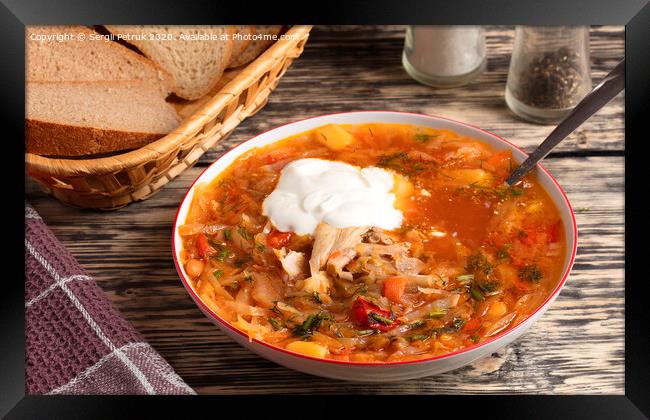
[(554, 232), (276, 239), (274, 158), (471, 325)]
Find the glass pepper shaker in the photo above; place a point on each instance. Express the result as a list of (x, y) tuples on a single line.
[(443, 55), (549, 72)]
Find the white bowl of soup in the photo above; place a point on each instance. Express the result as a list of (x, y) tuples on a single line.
[(374, 246)]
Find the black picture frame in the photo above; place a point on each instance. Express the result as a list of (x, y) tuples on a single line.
[(635, 15)]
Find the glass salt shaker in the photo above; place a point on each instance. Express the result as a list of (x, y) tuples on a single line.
[(444, 56), (549, 72)]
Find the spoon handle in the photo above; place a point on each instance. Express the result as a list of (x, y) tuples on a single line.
[(609, 87)]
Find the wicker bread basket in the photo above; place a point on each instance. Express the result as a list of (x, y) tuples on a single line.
[(113, 182)]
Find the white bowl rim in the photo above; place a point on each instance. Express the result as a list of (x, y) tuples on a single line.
[(222, 322)]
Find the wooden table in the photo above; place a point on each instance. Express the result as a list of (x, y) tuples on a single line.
[(576, 347)]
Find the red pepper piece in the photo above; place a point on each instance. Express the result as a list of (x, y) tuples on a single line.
[(203, 246), (369, 315)]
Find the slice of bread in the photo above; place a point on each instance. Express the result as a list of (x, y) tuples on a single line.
[(241, 38), (87, 118), (256, 46), (57, 53), (195, 63)]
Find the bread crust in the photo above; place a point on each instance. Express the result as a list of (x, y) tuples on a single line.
[(165, 78), (255, 48), (52, 139), (238, 46), (179, 90)]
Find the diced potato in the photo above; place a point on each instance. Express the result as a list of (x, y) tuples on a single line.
[(497, 309), (446, 339), (507, 273), (307, 348), (402, 188), (535, 206), (333, 136), (469, 176)]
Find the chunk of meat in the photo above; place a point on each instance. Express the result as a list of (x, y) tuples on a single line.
[(319, 283), (398, 252), (329, 240), (338, 260), (267, 289), (293, 263), (409, 265), (378, 236), (324, 240), (376, 268), (394, 250)]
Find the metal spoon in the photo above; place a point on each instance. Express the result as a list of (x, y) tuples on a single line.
[(609, 87)]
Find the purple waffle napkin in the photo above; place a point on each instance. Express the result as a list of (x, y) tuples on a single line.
[(77, 342)]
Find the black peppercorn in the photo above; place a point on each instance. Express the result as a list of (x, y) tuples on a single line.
[(551, 80)]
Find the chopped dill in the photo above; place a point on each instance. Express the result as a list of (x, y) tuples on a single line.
[(488, 286), (313, 322), (458, 323), (275, 308), (478, 263), (223, 254), (438, 313), (476, 294), (503, 254), (400, 162), (422, 138), (361, 290), (379, 318), (501, 192), (530, 273), (277, 324), (317, 297), (244, 233), (394, 161), (417, 324), (420, 337)]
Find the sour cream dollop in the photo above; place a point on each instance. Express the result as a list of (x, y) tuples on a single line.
[(311, 191)]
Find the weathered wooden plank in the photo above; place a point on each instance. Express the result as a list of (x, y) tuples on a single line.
[(577, 346), (354, 68)]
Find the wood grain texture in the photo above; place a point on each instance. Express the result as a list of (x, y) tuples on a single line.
[(576, 347)]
